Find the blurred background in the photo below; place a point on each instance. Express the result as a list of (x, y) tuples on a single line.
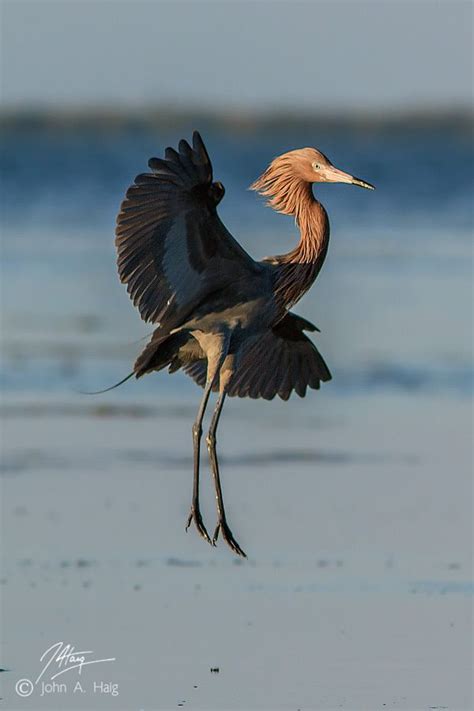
[(366, 482)]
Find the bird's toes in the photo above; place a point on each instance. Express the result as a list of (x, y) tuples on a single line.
[(195, 516), (202, 532), (228, 537), (188, 522), (216, 534)]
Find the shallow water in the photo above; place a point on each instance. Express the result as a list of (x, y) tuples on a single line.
[(354, 504), (393, 300)]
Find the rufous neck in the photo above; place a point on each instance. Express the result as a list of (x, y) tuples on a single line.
[(289, 193), (312, 220)]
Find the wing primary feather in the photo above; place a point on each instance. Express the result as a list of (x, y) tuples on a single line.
[(173, 251), (200, 148)]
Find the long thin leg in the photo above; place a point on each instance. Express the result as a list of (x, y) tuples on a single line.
[(195, 513), (215, 345), (222, 526)]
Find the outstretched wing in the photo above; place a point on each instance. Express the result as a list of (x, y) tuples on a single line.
[(173, 250), (276, 362)]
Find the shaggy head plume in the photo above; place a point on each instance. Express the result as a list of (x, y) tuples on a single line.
[(287, 180)]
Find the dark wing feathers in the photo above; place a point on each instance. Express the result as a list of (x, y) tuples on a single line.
[(169, 350), (197, 370), (279, 361), (275, 362), (173, 250)]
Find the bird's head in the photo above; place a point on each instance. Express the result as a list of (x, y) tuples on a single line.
[(287, 179), (312, 166)]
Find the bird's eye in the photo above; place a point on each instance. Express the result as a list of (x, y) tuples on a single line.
[(316, 166)]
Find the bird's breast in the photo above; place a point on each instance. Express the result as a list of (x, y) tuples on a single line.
[(292, 280)]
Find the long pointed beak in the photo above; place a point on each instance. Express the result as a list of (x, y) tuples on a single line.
[(334, 175), (362, 183)]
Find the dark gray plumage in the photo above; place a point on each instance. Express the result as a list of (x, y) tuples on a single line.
[(221, 316)]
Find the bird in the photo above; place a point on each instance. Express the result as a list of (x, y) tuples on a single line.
[(222, 317)]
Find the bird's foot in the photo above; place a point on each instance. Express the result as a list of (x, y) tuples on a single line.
[(195, 515), (224, 529)]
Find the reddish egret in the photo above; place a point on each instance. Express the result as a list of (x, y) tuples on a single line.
[(221, 316)]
